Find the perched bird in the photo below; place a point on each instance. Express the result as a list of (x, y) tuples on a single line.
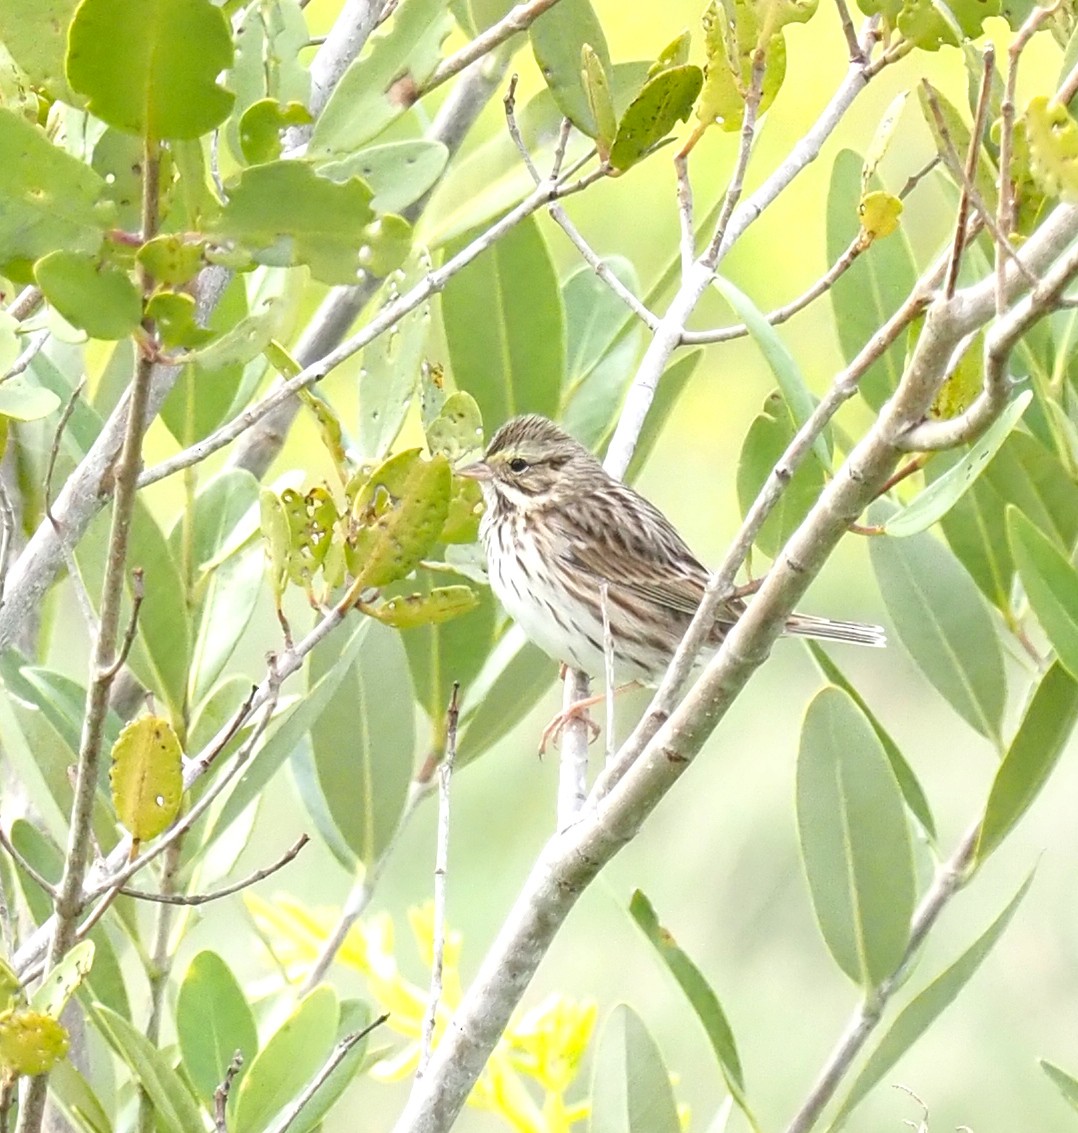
[(557, 527)]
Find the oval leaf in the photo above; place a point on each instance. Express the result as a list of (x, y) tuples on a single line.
[(630, 1088), (96, 298), (150, 67), (288, 1061), (666, 99), (936, 606), (213, 1022), (558, 38), (64, 980), (854, 839), (1051, 584), (147, 777), (1037, 745)]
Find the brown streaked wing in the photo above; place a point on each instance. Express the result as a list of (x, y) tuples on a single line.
[(619, 537)]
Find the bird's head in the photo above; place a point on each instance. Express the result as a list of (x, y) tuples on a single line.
[(531, 464)]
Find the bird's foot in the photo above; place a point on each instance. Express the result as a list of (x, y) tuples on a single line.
[(577, 711)]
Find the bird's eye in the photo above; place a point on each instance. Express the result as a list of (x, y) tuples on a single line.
[(518, 464)]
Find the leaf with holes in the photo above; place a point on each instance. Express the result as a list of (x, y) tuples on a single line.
[(665, 100), (396, 516), (147, 777)]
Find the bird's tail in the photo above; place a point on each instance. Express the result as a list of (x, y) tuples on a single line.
[(826, 629)]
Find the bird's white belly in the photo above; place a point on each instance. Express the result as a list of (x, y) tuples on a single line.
[(547, 613)]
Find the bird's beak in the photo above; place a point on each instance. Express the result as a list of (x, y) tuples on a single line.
[(480, 470)]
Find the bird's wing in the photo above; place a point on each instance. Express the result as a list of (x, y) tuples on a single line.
[(620, 538)]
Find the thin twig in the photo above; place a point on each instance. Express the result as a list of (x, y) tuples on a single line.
[(951, 159), (608, 665), (988, 66), (359, 897), (25, 303), (138, 592), (684, 211), (220, 1095), (226, 891), (54, 448), (7, 534), (820, 287), (29, 353), (38, 879), (517, 19), (441, 874), (857, 54), (338, 1055)]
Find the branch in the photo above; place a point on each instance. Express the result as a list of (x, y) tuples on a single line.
[(441, 873), (340, 1051), (949, 879), (386, 318), (518, 19), (226, 891)]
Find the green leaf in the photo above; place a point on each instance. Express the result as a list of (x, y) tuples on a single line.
[(77, 1100), (599, 101), (213, 1022), (943, 493), (382, 83), (95, 297), (262, 124), (290, 1058), (665, 99), (438, 655), (879, 213), (150, 67), (174, 317), (914, 796), (515, 675), (241, 337), (700, 995), (363, 742), (854, 839), (630, 1086), (1028, 475), (398, 513), (288, 733), (796, 393), (923, 1010), (285, 213), (409, 611), (24, 402), (1033, 753), (600, 355), (942, 621), (269, 63), (51, 996), (147, 777), (458, 428), (174, 1108), (48, 199), (172, 259), (1065, 1083), (505, 326), (228, 589), (558, 37), (1051, 584), (873, 288), (35, 32), (929, 24), (767, 439), (399, 173)]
